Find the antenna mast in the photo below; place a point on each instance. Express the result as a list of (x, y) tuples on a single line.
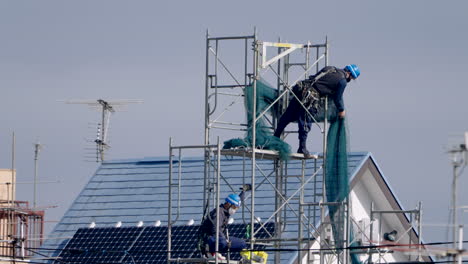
[(107, 108), (101, 140)]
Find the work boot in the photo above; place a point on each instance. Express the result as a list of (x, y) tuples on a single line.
[(303, 149)]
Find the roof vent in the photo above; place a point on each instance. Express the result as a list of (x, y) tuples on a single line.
[(157, 223), (140, 224), (190, 222), (230, 221), (92, 225), (118, 224)]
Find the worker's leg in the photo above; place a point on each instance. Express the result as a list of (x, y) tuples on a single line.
[(304, 125), (212, 244), (237, 244), (290, 115)]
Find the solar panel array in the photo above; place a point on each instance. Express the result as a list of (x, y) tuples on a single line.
[(143, 244)]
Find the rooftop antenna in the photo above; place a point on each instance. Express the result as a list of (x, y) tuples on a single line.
[(107, 108), (458, 155), (101, 140)]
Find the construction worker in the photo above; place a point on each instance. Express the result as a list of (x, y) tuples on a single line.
[(329, 81), (208, 227)]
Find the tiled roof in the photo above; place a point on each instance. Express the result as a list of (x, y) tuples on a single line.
[(137, 190)]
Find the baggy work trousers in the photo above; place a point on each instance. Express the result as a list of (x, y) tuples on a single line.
[(237, 244), (295, 112)]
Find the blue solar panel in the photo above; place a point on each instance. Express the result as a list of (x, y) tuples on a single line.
[(144, 244), (100, 245), (151, 246)]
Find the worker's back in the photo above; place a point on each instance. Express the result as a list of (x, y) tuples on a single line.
[(328, 83), (208, 226)]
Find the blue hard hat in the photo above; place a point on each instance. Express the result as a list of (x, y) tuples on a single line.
[(234, 199), (354, 70)]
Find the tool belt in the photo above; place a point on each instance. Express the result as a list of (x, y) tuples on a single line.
[(309, 97)]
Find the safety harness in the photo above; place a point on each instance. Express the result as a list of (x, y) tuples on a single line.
[(305, 91)]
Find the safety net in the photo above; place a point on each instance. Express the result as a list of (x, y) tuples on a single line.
[(337, 183), (265, 96)]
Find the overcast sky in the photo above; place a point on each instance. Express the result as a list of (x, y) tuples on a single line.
[(408, 103)]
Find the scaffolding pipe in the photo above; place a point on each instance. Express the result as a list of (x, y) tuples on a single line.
[(301, 214), (234, 37), (169, 207), (254, 136), (206, 153), (419, 215), (218, 174)]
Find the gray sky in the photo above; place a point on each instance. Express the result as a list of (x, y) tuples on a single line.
[(410, 99)]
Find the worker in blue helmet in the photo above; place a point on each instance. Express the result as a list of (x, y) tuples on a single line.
[(329, 81), (208, 227)]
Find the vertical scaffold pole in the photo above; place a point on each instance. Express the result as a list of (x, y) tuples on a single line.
[(169, 207), (347, 232), (324, 142), (301, 214), (460, 245), (371, 232), (218, 192), (207, 124), (419, 231), (301, 201), (278, 168), (254, 124)]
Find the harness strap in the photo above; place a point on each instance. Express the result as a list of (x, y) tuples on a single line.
[(309, 94)]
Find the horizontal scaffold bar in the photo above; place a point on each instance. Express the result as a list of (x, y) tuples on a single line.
[(201, 260), (292, 45), (263, 154), (194, 146), (233, 37)]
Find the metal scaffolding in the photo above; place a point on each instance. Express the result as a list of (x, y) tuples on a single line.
[(20, 228), (228, 73)]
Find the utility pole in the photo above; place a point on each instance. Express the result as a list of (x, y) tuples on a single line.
[(37, 148), (13, 185), (458, 155)]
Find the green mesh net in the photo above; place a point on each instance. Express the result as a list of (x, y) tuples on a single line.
[(266, 95), (337, 182), (336, 177)]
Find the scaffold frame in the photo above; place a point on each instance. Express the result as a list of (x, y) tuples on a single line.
[(255, 54)]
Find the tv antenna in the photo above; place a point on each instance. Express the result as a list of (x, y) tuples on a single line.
[(106, 108)]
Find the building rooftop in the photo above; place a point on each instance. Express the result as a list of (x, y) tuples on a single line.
[(134, 190)]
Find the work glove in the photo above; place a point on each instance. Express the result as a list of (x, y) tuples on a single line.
[(246, 187)]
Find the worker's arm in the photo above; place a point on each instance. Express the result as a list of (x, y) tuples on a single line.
[(338, 98), (245, 188)]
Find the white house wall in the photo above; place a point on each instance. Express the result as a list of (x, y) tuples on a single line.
[(367, 187)]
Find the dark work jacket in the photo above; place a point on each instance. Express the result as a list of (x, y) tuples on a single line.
[(209, 228), (332, 85)]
